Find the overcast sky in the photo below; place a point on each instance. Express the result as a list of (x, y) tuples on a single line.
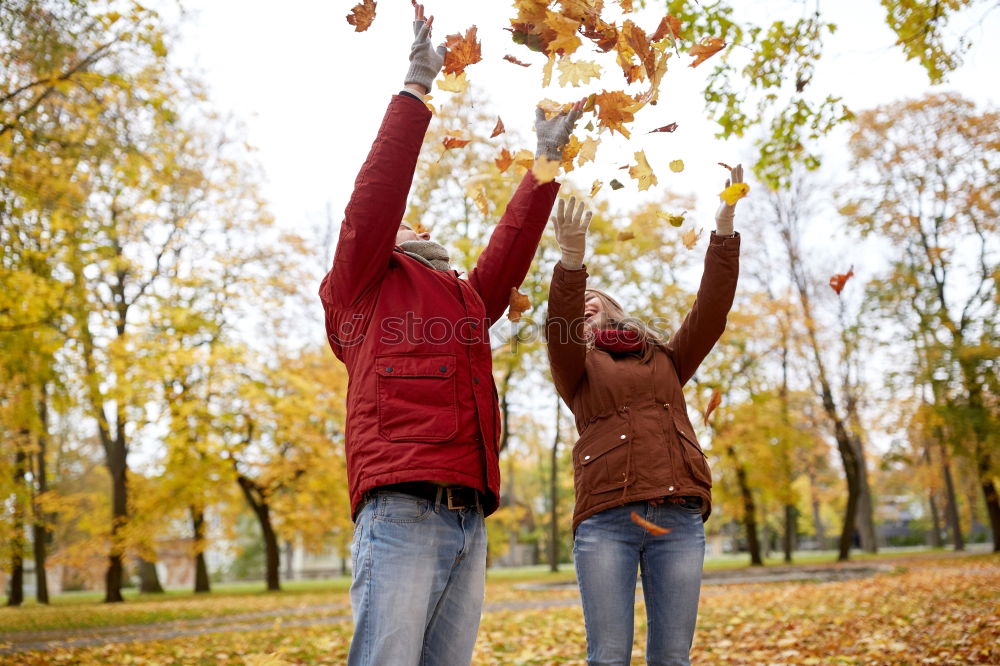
[(312, 91)]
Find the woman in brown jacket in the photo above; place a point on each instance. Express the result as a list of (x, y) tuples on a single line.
[(637, 450)]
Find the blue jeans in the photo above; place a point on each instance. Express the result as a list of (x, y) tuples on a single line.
[(419, 579), (608, 550)]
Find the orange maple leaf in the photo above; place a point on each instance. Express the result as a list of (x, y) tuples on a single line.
[(565, 40), (499, 129), (612, 111), (518, 304), (713, 402), (690, 237), (706, 49), (450, 142), (838, 281), (362, 15), (603, 34), (652, 528), (504, 161), (670, 24), (462, 51)]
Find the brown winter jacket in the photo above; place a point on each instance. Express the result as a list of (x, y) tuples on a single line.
[(636, 441)]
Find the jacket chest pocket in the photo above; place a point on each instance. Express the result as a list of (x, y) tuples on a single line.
[(417, 396), (601, 458)]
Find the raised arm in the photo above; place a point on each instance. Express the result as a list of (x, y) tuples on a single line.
[(565, 330), (507, 257), (373, 214), (705, 323)]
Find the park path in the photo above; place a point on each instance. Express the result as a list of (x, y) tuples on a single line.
[(325, 614)]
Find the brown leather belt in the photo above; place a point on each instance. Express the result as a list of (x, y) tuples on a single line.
[(454, 497)]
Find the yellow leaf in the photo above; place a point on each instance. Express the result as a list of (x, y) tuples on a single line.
[(677, 166), (642, 172), (455, 83), (570, 152), (566, 40), (588, 151), (547, 70), (545, 170), (690, 237), (577, 73), (552, 108), (734, 193), (524, 159), (478, 197), (673, 220), (595, 187)]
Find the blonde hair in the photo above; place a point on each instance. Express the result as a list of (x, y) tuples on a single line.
[(613, 315)]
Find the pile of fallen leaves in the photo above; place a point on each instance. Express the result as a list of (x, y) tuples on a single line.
[(929, 611)]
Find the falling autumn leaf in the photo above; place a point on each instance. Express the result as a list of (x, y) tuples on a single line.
[(524, 158), (547, 70), (478, 196), (498, 129), (713, 402), (838, 281), (652, 528), (588, 151), (518, 304), (565, 40), (690, 237), (677, 166), (595, 188), (642, 172), (577, 73), (666, 128), (626, 5), (570, 151), (545, 170), (362, 15), (673, 220), (670, 24), (462, 51), (615, 185), (625, 235), (450, 142), (613, 111), (504, 161), (455, 83), (510, 58), (706, 49), (734, 193)]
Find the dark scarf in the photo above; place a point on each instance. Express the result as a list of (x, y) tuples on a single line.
[(618, 340), (427, 252)]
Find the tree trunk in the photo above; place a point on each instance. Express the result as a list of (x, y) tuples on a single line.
[(258, 502), (149, 579), (117, 467), (201, 582), (749, 510), (791, 529), (935, 535), (289, 560), (951, 506), (866, 506), (554, 494), (992, 501), (40, 531), (16, 595)]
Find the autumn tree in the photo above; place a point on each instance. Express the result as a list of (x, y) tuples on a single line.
[(928, 188)]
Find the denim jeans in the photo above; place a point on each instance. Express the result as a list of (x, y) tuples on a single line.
[(419, 579), (608, 550)]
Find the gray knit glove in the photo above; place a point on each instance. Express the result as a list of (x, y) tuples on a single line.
[(553, 135), (425, 60), (724, 216)]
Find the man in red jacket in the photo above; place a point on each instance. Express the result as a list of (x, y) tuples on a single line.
[(422, 415)]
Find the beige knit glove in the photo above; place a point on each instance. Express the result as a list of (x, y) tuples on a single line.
[(724, 216), (571, 223)]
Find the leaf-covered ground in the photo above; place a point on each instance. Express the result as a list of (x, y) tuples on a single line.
[(941, 611)]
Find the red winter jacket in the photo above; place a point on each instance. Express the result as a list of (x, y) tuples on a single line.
[(421, 403)]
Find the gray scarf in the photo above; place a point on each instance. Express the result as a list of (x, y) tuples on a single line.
[(427, 252)]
